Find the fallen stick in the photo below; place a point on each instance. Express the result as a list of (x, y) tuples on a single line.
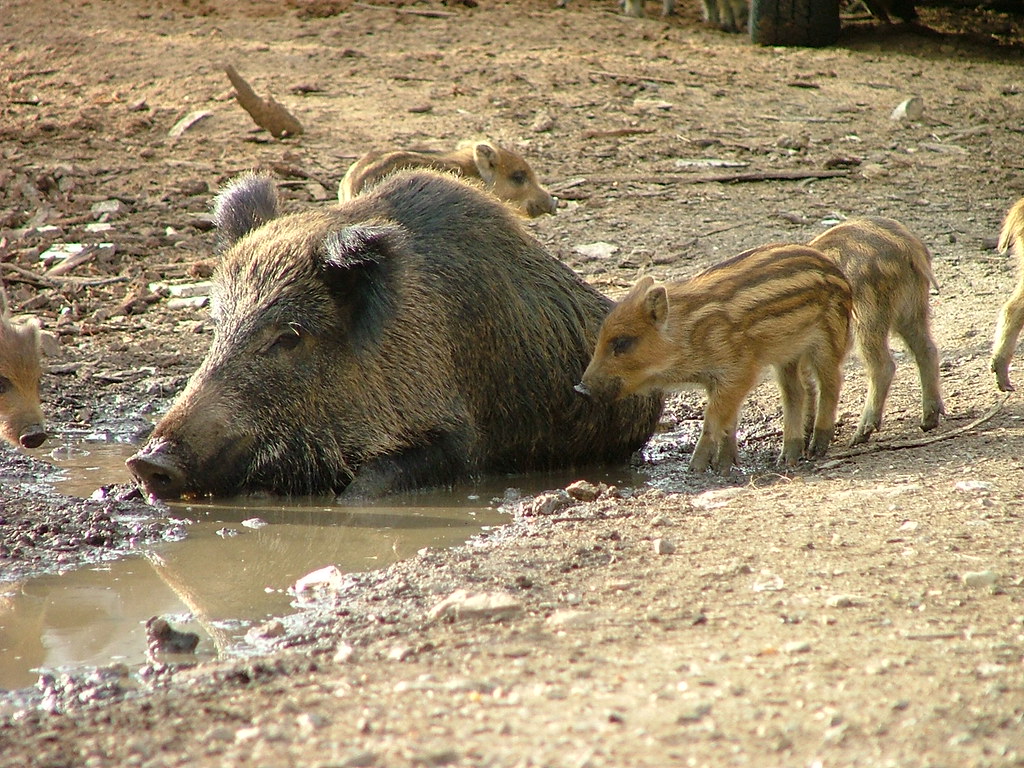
[(408, 11), (920, 443), (71, 262), (268, 114), (616, 132), (722, 178), (623, 76)]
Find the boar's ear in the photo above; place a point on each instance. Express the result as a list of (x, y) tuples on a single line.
[(656, 304), (486, 158), (248, 202), (356, 263)]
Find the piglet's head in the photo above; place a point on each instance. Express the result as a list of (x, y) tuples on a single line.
[(630, 350), (21, 419)]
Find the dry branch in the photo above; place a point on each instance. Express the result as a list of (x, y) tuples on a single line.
[(267, 114), (875, 447)]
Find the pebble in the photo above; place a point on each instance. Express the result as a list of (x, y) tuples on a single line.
[(327, 578), (796, 646), (598, 250), (462, 604), (976, 579), (840, 601), (308, 722), (569, 619), (582, 490), (664, 547), (543, 122), (344, 653), (910, 109)]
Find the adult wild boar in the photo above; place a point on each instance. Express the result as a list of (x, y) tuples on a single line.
[(414, 336)]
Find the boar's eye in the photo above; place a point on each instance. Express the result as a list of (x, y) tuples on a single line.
[(287, 340), (622, 344), (5, 385), (518, 177)]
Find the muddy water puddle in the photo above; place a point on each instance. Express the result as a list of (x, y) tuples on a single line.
[(231, 569)]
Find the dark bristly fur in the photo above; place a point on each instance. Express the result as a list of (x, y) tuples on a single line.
[(504, 173), (1011, 316), (785, 306), (890, 272), (21, 418), (415, 336)]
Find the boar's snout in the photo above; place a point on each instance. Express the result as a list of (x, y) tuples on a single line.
[(158, 471), (32, 436)]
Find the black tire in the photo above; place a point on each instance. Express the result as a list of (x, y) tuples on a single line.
[(812, 23)]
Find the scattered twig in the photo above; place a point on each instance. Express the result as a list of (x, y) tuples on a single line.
[(920, 443), (70, 263), (22, 275), (408, 11), (723, 178), (616, 132), (631, 78), (268, 114)]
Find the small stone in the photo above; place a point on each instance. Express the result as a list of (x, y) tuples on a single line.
[(975, 579), (547, 504), (344, 653), (840, 601), (266, 631), (598, 250), (583, 490), (912, 109), (461, 604), (308, 722), (327, 578), (796, 646), (543, 122), (401, 653), (664, 547), (569, 619)]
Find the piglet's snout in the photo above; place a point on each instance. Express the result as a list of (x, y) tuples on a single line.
[(32, 436)]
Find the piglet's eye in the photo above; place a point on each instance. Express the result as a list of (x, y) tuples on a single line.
[(5, 385), (518, 177), (622, 344)]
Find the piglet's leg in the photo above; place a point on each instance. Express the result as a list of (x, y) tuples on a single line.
[(793, 391)]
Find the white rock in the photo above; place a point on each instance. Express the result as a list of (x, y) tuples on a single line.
[(462, 604), (911, 109), (980, 578), (599, 250), (327, 578), (664, 547)]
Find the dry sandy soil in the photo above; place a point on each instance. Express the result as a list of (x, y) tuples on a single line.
[(865, 611)]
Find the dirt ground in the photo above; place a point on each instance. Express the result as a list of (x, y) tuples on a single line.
[(865, 611)]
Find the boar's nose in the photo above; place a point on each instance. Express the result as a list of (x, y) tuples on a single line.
[(32, 436), (583, 389), (159, 473)]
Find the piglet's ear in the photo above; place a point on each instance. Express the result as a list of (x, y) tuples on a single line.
[(485, 156), (656, 302), (247, 203)]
